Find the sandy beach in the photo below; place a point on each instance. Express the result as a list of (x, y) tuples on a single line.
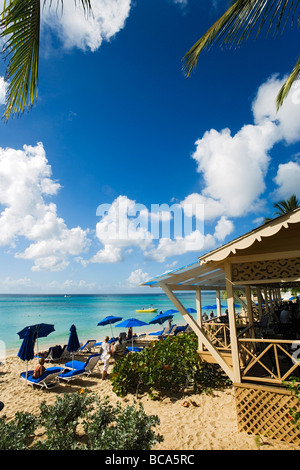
[(208, 423)]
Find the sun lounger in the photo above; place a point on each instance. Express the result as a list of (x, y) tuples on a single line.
[(171, 330), (48, 379), (158, 333), (87, 346), (75, 368), (134, 349), (180, 329)]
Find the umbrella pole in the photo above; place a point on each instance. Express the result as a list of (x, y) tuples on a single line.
[(26, 373)]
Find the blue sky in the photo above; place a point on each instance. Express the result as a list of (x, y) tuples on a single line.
[(117, 123)]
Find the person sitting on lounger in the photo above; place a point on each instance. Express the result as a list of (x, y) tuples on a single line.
[(118, 348), (39, 369)]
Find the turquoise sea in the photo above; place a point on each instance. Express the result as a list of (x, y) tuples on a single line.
[(84, 311)]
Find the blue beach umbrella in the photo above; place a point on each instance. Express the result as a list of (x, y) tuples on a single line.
[(208, 307), (169, 312), (109, 321), (191, 310), (26, 352), (161, 318), (39, 330), (73, 343), (130, 323)]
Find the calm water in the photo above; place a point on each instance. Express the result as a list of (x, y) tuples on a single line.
[(85, 311)]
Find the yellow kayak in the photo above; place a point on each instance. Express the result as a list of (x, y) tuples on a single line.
[(147, 310)]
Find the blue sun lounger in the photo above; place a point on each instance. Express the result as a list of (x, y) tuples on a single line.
[(48, 379), (74, 369), (87, 346)]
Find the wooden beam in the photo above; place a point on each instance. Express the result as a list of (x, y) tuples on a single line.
[(232, 325)]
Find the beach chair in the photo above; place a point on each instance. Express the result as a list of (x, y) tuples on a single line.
[(157, 333), (180, 329), (47, 380), (134, 349), (73, 369), (65, 354), (171, 330), (87, 346)]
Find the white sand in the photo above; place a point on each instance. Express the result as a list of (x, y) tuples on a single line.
[(208, 423)]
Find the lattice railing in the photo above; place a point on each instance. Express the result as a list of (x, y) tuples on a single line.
[(266, 412), (268, 360)]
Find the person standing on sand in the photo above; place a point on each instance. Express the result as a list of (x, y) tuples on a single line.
[(105, 355)]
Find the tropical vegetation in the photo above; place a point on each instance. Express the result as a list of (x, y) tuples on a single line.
[(285, 206), (80, 421), (20, 35), (242, 19), (171, 366)]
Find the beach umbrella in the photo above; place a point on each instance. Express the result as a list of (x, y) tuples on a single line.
[(26, 352), (130, 323), (73, 343), (208, 307), (109, 321), (191, 310), (161, 318), (39, 330), (169, 312)]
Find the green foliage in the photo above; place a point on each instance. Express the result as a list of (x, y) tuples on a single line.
[(61, 424), (121, 429), (61, 420), (169, 365), (294, 414), (14, 435)]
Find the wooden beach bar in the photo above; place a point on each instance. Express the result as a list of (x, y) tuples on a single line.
[(254, 348)]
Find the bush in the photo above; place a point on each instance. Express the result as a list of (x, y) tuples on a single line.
[(14, 435), (169, 365), (104, 427)]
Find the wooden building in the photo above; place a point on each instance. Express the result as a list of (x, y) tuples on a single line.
[(254, 349)]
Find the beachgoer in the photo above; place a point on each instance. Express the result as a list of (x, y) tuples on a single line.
[(205, 317), (39, 369), (129, 333), (118, 348), (285, 315), (105, 355)]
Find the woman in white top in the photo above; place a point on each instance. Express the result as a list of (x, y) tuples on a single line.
[(105, 355)]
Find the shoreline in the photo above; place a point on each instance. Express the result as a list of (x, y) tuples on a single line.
[(208, 423)]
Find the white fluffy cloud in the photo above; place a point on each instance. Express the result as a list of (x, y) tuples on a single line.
[(25, 184), (137, 277), (87, 32), (287, 180), (234, 167)]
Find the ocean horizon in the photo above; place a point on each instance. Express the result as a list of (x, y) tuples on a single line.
[(84, 311)]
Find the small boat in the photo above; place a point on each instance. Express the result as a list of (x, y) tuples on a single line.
[(147, 310)]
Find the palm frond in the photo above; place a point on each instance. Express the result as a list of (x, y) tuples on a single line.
[(20, 23), (243, 18), (20, 28), (286, 87)]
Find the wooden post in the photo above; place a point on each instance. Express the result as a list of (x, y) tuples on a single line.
[(199, 315), (249, 305), (232, 324)]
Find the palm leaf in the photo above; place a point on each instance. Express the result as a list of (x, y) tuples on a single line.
[(243, 18), (20, 27)]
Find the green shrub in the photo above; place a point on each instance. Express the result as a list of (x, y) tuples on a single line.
[(169, 365), (81, 421), (15, 434), (121, 429)]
